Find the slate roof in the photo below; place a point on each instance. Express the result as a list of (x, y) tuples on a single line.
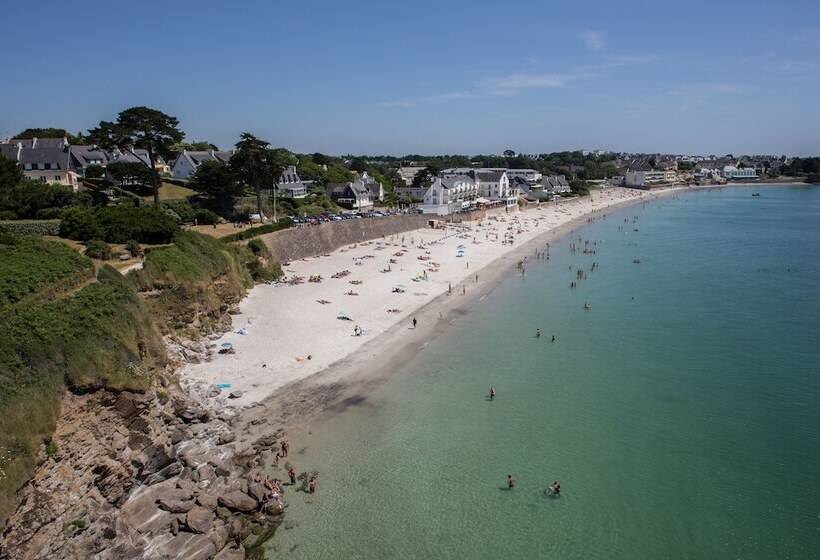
[(491, 176)]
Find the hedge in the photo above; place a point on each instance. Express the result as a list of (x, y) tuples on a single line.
[(258, 230), (32, 227)]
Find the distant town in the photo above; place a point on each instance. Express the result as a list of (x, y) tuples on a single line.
[(311, 184)]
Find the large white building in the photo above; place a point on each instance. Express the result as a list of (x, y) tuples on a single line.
[(648, 178), (450, 195), (493, 183), (733, 172)]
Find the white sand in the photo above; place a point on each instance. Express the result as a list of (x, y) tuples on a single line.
[(283, 324)]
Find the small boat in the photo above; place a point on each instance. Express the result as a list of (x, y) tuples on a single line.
[(636, 261), (756, 194)]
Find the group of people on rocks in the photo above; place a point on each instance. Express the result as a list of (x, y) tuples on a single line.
[(274, 488)]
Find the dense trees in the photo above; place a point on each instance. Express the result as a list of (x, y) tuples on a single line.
[(799, 166), (131, 173), (50, 133), (258, 165), (22, 198), (141, 127), (217, 181)]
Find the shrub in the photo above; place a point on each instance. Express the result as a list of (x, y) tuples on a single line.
[(182, 208), (49, 213), (205, 216), (118, 224), (7, 215), (258, 230), (79, 224), (32, 227), (51, 448), (258, 247), (97, 249), (133, 248), (94, 172)]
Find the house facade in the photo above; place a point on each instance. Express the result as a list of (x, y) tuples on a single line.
[(189, 161), (43, 159), (354, 195), (644, 179), (450, 195), (82, 157), (737, 173), (290, 184)]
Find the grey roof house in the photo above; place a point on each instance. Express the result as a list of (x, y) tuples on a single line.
[(43, 159), (189, 161)]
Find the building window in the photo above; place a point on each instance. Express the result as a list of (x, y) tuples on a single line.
[(58, 177)]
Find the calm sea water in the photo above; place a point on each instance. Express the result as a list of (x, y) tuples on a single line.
[(681, 413)]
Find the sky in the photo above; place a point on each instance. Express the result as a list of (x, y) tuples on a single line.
[(438, 77)]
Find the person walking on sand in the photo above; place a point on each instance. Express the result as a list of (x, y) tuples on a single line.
[(285, 447), (312, 485), (414, 322), (292, 476), (510, 482)]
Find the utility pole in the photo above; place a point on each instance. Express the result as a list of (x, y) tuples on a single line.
[(274, 201)]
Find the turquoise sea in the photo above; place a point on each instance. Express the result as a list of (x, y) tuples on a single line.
[(681, 414)]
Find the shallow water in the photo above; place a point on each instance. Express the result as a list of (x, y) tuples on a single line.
[(680, 413)]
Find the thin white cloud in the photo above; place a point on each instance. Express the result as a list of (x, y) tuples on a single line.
[(593, 39), (513, 84), (503, 86)]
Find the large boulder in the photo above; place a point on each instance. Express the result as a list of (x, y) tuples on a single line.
[(199, 519), (187, 546), (231, 553), (175, 505), (238, 501)]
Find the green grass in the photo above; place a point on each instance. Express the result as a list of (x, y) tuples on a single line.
[(32, 267), (104, 335), (169, 191), (101, 336)]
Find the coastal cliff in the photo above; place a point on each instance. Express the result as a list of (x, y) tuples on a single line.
[(102, 453)]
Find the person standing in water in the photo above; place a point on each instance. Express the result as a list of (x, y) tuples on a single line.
[(537, 333), (492, 393), (510, 482), (553, 338)]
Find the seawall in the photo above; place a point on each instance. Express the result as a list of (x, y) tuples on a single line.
[(310, 241)]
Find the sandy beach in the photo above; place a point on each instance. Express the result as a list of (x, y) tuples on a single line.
[(287, 332)]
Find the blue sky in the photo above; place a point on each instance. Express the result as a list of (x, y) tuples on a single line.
[(428, 77)]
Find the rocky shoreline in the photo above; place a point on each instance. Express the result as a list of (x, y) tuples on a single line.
[(151, 475)]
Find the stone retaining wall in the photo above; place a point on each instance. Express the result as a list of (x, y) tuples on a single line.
[(310, 241)]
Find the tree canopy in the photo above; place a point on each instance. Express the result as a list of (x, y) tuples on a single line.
[(256, 164), (141, 127), (217, 181), (50, 133)]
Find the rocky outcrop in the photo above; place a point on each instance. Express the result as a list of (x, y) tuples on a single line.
[(140, 476)]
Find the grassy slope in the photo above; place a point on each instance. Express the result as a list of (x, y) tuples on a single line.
[(106, 334), (100, 336), (32, 267)]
